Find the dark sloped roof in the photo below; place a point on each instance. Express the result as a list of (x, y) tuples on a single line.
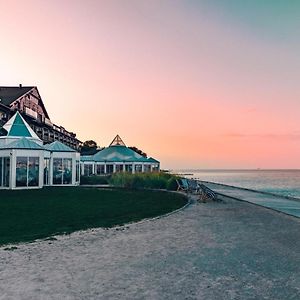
[(9, 94)]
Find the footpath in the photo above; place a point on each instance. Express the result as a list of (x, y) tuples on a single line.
[(282, 204)]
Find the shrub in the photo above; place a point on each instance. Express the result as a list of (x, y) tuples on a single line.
[(144, 180), (94, 179), (172, 184)]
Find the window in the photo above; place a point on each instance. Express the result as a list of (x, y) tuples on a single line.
[(4, 171), (77, 170), (109, 169), (138, 168), (46, 170), (1, 170), (33, 171), (88, 169), (128, 168), (119, 168), (99, 169), (27, 171), (67, 174), (57, 170), (62, 171), (147, 168)]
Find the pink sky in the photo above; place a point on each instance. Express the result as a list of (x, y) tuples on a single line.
[(193, 85)]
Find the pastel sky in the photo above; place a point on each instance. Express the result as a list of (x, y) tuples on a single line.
[(195, 84)]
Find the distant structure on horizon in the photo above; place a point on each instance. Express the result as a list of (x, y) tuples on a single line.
[(28, 102)]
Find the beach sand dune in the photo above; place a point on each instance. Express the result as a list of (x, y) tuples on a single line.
[(230, 250)]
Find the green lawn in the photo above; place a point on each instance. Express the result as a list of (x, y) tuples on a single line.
[(32, 214)]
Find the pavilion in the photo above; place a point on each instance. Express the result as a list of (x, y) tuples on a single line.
[(117, 158), (26, 163)]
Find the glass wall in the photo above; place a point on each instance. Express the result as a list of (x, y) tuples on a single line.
[(147, 168), (46, 171), (109, 169), (88, 169), (99, 169), (1, 171), (27, 171), (155, 168), (77, 170), (21, 171), (128, 168), (119, 168), (67, 174), (57, 170), (62, 171), (138, 168), (33, 171), (4, 171)]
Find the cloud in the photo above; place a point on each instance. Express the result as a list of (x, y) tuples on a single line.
[(294, 136)]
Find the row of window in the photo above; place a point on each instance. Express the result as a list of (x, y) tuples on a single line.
[(27, 171), (100, 169)]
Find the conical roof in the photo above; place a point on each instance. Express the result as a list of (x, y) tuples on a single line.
[(118, 154), (23, 143), (16, 126), (58, 147)]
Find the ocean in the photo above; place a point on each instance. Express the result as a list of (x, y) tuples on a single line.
[(281, 182)]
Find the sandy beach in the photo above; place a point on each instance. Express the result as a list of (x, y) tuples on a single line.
[(229, 250)]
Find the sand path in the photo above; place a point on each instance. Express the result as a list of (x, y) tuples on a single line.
[(231, 250)]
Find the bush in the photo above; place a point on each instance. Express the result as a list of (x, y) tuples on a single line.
[(172, 184), (144, 180), (94, 179)]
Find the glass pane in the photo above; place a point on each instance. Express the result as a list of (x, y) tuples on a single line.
[(100, 169), (21, 171), (77, 170), (128, 168), (88, 170), (119, 168), (147, 168), (33, 171), (6, 171), (67, 178), (155, 168), (1, 170), (46, 170), (57, 171), (109, 169), (138, 168)]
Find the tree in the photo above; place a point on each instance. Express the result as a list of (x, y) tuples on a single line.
[(137, 150), (89, 148)]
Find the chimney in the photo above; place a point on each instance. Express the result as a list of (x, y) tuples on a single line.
[(20, 85)]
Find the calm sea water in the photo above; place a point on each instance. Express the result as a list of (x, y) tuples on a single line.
[(282, 182)]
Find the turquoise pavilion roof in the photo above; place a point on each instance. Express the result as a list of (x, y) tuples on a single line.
[(87, 157), (151, 159), (18, 127), (23, 143), (117, 152), (58, 147)]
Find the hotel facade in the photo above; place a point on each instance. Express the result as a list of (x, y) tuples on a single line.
[(28, 102), (34, 154)]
